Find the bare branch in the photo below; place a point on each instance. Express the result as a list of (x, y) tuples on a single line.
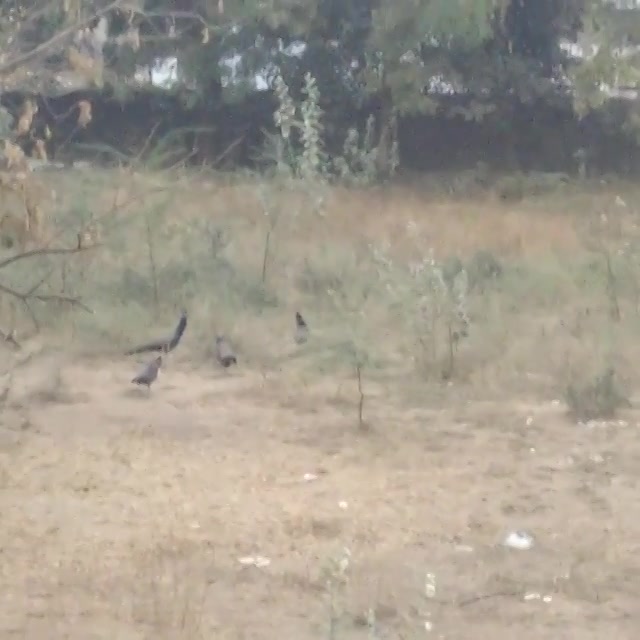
[(70, 300), (228, 150), (26, 297), (187, 15), (147, 143), (44, 251), (30, 295), (40, 282), (45, 47), (361, 423)]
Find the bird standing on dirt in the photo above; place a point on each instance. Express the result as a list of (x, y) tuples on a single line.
[(165, 345), (224, 352), (301, 334), (149, 374)]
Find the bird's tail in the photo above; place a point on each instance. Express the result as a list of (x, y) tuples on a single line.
[(146, 348), (178, 333)]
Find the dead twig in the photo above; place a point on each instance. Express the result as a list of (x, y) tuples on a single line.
[(147, 144), (487, 596), (361, 424), (25, 297), (182, 161), (152, 262), (217, 160), (43, 251), (612, 288), (30, 295), (40, 282), (265, 255)]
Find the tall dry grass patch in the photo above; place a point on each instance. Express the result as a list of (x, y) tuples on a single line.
[(397, 280)]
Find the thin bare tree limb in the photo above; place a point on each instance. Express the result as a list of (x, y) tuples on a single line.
[(45, 47), (26, 297), (228, 150), (40, 282), (186, 15), (74, 302), (361, 395), (147, 142), (44, 251)]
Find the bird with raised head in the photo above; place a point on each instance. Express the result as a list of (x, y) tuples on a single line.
[(301, 334)]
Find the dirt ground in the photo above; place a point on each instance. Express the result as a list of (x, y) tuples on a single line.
[(125, 516)]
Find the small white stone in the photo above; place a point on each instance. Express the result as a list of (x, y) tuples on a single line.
[(529, 421), (464, 548), (520, 540), (430, 586), (547, 599), (256, 561), (343, 504), (261, 561), (309, 477)]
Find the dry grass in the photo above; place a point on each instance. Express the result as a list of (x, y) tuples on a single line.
[(124, 516)]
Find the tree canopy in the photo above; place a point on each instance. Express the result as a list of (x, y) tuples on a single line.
[(406, 56)]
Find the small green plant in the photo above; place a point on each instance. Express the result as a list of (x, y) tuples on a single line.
[(305, 121), (357, 164), (442, 312), (482, 268), (313, 161), (336, 577), (271, 214), (517, 186), (599, 399), (360, 159)]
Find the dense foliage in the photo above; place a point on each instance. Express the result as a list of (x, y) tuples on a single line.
[(401, 57)]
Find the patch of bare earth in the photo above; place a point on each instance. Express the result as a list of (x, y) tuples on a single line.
[(123, 516)]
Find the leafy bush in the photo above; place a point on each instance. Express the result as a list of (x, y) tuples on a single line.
[(599, 399)]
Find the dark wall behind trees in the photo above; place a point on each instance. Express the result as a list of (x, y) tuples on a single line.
[(545, 137)]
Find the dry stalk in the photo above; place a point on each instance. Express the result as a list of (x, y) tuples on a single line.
[(273, 221), (152, 263), (265, 256), (361, 424), (612, 289)]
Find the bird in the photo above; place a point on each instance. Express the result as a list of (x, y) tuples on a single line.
[(148, 375), (165, 345), (224, 352), (302, 329)]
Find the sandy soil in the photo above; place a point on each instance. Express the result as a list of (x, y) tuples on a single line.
[(124, 516)]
